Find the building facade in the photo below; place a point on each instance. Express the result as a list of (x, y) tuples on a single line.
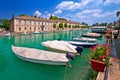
[(32, 24)]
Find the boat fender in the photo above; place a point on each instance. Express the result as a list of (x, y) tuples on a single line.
[(70, 55), (79, 49)]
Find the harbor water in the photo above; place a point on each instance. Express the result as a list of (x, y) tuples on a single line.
[(13, 68)]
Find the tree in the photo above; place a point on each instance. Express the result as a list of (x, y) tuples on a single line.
[(69, 26), (65, 25), (62, 19), (118, 13), (96, 24), (54, 25), (110, 24), (22, 15), (60, 25), (4, 23), (53, 17)]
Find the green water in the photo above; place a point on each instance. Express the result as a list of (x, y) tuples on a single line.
[(13, 68)]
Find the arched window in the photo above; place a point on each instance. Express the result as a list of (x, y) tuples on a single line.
[(19, 28), (30, 28), (25, 28)]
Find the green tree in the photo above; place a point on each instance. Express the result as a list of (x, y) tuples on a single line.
[(22, 15), (5, 23), (65, 25), (69, 26), (53, 17), (62, 19), (54, 25), (60, 25), (12, 16), (96, 24), (110, 24)]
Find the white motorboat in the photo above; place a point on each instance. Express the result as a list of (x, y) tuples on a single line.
[(36, 32), (25, 33), (93, 35), (40, 56), (8, 34), (84, 44), (61, 46), (84, 39)]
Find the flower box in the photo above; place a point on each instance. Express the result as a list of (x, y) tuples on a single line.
[(97, 65)]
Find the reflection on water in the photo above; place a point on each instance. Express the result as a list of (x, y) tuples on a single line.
[(34, 40), (17, 69), (3, 62)]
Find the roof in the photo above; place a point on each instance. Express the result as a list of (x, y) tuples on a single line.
[(44, 19)]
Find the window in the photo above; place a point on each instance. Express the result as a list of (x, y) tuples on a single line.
[(36, 23), (25, 28), (19, 28), (22, 22), (38, 28), (28, 22), (32, 22), (17, 22)]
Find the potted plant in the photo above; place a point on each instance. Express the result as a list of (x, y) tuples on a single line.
[(99, 57)]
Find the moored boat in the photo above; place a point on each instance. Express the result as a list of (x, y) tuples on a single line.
[(40, 56), (84, 44), (92, 35), (36, 32), (61, 46), (84, 39), (7, 34)]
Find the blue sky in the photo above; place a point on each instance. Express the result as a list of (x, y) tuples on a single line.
[(89, 11)]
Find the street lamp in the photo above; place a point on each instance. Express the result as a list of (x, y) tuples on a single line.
[(117, 14), (118, 25)]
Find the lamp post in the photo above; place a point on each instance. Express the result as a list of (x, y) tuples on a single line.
[(117, 14), (118, 25)]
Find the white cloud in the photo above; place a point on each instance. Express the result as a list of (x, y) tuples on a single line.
[(86, 2), (65, 5), (93, 16), (37, 14), (91, 11), (72, 5), (108, 2), (58, 12), (98, 2), (47, 15)]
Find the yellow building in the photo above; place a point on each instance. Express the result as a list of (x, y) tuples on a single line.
[(31, 24)]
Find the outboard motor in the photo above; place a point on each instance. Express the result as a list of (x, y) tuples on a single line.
[(79, 49), (70, 55)]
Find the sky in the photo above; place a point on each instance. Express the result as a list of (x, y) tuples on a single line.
[(88, 11)]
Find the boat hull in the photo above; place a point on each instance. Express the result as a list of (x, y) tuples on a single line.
[(83, 40), (91, 36), (41, 61), (82, 44), (40, 56)]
